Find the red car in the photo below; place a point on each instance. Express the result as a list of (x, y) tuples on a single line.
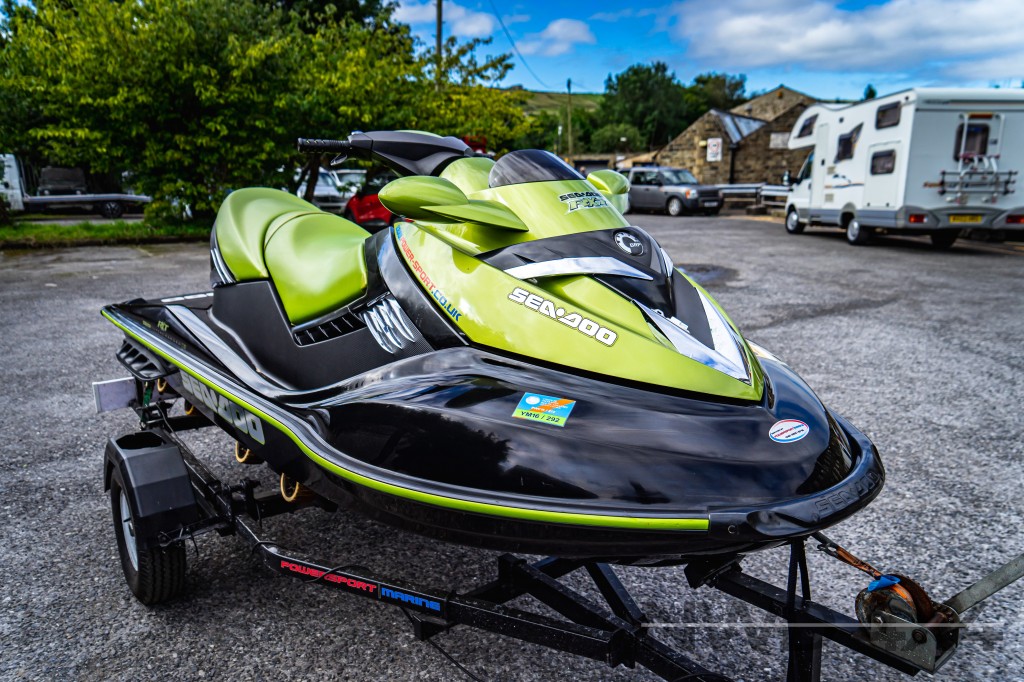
[(365, 208)]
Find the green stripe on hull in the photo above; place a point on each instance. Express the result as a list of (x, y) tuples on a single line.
[(568, 518)]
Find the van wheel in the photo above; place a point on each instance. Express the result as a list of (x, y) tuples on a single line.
[(111, 209), (674, 207), (793, 224), (154, 575), (857, 234), (943, 240)]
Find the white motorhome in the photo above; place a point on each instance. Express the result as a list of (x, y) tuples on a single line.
[(922, 161)]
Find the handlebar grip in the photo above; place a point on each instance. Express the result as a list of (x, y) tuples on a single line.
[(322, 146)]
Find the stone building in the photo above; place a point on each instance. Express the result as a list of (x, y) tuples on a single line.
[(744, 145)]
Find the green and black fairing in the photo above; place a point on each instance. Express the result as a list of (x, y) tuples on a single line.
[(513, 366)]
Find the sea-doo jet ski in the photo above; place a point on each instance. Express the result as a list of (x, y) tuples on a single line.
[(511, 365)]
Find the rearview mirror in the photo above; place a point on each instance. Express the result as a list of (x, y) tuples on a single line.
[(412, 196)]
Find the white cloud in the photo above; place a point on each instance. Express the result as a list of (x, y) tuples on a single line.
[(459, 21), (937, 40), (612, 16), (560, 37)]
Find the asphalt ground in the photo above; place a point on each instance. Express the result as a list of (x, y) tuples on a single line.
[(921, 349)]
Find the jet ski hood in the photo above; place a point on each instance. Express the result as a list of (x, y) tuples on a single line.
[(540, 263)]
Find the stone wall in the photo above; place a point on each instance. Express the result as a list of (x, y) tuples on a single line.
[(686, 151), (756, 161), (773, 103)]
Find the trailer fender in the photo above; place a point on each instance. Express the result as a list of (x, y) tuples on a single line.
[(156, 482)]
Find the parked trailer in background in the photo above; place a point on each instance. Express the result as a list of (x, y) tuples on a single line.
[(922, 161), (14, 189)]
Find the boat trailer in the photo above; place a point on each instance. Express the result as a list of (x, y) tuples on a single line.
[(173, 498)]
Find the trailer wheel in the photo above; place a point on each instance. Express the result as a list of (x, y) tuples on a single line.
[(674, 207), (111, 209), (943, 240), (153, 575), (793, 224), (857, 234)]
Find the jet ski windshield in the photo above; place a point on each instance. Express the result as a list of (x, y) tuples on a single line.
[(530, 165)]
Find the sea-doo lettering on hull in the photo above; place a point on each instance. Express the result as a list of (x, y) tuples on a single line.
[(242, 420), (574, 320)]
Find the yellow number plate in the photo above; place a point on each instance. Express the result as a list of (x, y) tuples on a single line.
[(965, 218)]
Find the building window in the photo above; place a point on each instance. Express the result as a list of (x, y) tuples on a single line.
[(883, 163), (974, 143), (888, 116), (808, 126), (847, 144)]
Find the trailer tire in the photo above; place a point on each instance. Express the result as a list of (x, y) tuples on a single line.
[(111, 209), (793, 224), (674, 207), (943, 240), (857, 234), (154, 575)]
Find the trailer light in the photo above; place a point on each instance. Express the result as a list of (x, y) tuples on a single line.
[(1015, 220), (917, 218)]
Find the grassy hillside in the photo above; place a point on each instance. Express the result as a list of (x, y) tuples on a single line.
[(553, 101)]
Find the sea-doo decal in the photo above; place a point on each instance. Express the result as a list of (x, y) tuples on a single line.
[(788, 431), (544, 408), (222, 405), (576, 201), (424, 278), (575, 320)]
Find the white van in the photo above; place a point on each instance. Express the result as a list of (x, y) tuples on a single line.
[(922, 161)]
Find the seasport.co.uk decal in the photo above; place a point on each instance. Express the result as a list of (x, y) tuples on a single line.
[(424, 278), (788, 431)]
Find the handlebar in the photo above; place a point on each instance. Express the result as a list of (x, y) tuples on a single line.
[(323, 146)]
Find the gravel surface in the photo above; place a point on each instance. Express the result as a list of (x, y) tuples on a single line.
[(920, 349)]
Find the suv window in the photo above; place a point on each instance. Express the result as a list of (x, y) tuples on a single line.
[(678, 177), (646, 177)]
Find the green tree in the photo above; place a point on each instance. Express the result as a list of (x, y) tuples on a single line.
[(199, 97), (715, 91), (870, 92), (616, 137), (648, 97)]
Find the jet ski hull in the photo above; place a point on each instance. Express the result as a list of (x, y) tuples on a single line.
[(437, 443)]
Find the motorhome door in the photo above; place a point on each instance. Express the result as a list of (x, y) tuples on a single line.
[(882, 184), (821, 157)]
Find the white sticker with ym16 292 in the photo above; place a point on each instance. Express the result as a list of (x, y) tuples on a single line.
[(576, 321)]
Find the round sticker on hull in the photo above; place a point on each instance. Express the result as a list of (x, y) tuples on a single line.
[(788, 431)]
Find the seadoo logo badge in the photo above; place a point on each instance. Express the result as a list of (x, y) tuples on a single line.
[(232, 413), (629, 243), (788, 431)]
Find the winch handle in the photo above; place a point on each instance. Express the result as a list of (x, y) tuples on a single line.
[(1006, 574)]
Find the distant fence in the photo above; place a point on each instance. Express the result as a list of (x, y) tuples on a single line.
[(755, 194)]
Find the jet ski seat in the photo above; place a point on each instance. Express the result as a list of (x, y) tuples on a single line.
[(314, 259)]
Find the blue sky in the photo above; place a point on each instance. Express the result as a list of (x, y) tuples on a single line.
[(826, 48)]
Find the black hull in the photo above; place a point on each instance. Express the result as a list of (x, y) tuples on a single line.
[(428, 443)]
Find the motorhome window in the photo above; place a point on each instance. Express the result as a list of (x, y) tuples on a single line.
[(888, 116), (808, 126), (530, 165), (975, 143), (805, 170), (883, 163), (847, 144)]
